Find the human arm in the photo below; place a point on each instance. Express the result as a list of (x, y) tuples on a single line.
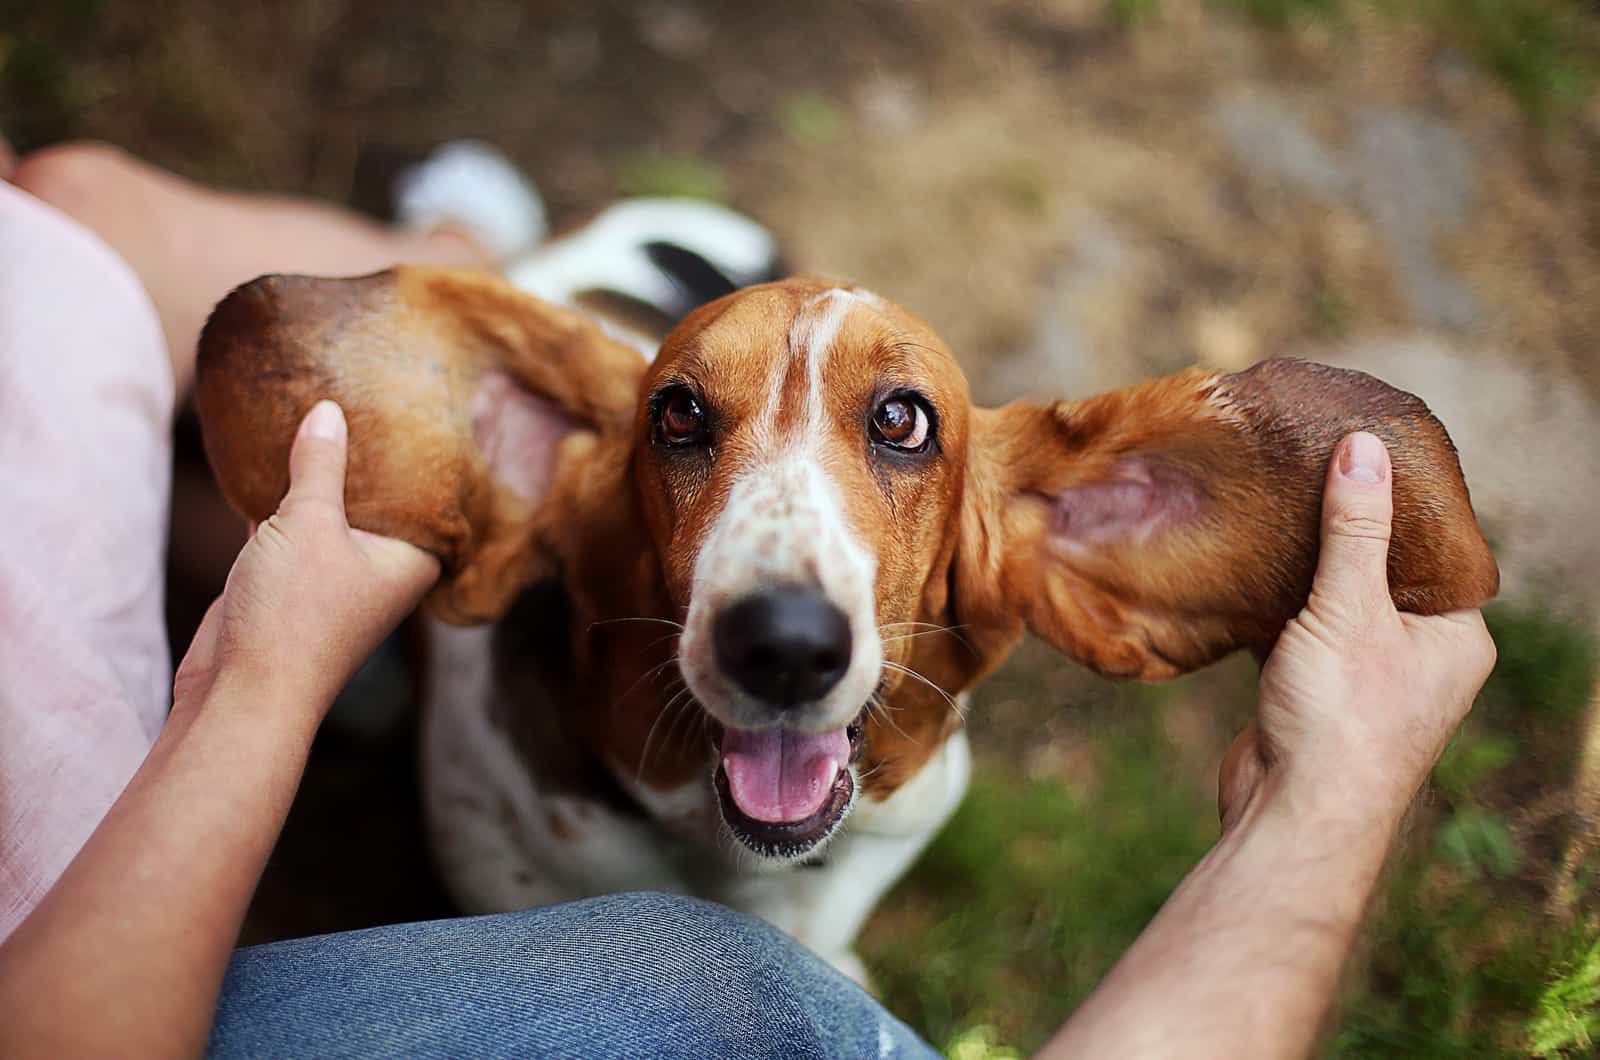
[(1357, 702), (126, 953)]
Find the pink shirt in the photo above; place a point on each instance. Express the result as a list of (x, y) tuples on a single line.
[(86, 400)]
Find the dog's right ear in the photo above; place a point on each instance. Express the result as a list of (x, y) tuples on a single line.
[(471, 408)]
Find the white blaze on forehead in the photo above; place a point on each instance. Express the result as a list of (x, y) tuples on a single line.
[(784, 523), (811, 336), (817, 323)]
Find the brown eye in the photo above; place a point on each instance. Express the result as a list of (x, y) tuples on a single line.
[(902, 423), (680, 417)]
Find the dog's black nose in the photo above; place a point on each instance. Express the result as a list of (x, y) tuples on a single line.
[(785, 646)]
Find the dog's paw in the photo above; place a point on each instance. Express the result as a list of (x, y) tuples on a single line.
[(473, 186)]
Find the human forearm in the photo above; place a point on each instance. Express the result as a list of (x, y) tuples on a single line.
[(1245, 955), (1356, 703), (126, 953)]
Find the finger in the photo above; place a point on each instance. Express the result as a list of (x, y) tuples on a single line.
[(316, 462), (1357, 518)]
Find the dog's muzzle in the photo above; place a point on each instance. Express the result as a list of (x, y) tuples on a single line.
[(782, 789)]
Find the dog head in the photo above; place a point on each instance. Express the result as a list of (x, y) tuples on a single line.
[(798, 456), (800, 480)]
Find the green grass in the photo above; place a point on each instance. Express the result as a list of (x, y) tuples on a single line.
[(1038, 885), (1546, 665), (1546, 52), (1567, 1017), (1462, 960), (1033, 891)]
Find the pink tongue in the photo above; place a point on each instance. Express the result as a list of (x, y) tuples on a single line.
[(777, 775)]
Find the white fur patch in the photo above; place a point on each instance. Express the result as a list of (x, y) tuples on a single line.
[(609, 253), (783, 524), (472, 185), (814, 328)]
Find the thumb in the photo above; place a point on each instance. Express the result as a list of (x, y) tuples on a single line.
[(1243, 768), (1357, 518), (400, 563), (317, 459), (201, 658)]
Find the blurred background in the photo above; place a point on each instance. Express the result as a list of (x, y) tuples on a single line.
[(1077, 194)]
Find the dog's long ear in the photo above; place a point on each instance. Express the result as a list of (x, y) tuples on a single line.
[(471, 407), (1149, 531)]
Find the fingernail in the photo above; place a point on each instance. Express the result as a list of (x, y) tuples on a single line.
[(1362, 459), (326, 421)]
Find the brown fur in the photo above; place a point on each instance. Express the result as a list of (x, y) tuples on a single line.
[(403, 352), (985, 537)]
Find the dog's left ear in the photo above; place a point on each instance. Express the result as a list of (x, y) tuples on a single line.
[(1150, 531), (476, 414)]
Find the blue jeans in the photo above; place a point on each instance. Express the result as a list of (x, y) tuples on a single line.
[(631, 975)]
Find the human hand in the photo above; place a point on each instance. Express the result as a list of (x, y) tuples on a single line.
[(309, 598), (1357, 701)]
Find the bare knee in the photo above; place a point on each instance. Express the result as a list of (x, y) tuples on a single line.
[(72, 175)]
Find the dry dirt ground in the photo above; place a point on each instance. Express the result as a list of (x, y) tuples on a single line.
[(1073, 202)]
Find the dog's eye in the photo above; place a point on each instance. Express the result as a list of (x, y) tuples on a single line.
[(681, 418), (902, 423)]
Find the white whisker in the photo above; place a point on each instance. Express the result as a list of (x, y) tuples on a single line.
[(644, 752), (909, 672), (648, 674), (614, 621)]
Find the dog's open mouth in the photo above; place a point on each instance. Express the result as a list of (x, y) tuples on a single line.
[(782, 792)]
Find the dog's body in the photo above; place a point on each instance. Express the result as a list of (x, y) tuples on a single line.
[(522, 814), (507, 837), (766, 565)]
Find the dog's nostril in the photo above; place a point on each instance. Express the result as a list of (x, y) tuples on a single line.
[(785, 646)]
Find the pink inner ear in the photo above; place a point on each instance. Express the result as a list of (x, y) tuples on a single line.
[(518, 432), (1139, 499)]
